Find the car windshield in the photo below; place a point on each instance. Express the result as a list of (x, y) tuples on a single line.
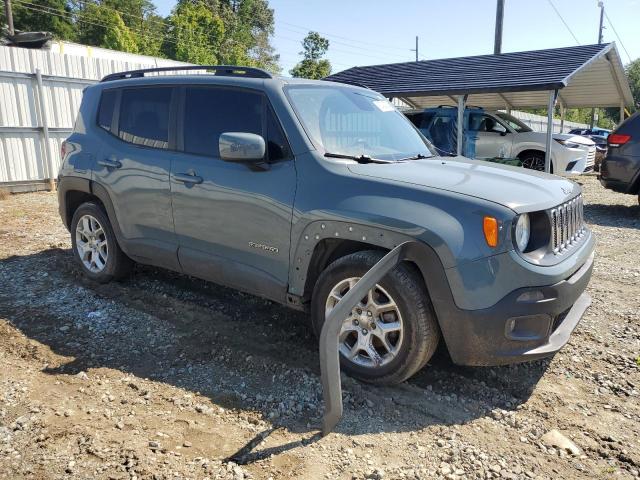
[(514, 123), (353, 123)]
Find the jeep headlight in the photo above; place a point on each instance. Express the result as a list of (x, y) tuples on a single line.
[(522, 232)]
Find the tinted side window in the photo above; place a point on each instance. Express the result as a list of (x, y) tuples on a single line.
[(277, 146), (415, 118), (105, 111), (209, 112), (144, 116)]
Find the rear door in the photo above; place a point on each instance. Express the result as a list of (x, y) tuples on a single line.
[(134, 167), (233, 220)]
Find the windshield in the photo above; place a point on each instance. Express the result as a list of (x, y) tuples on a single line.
[(514, 123), (356, 123)]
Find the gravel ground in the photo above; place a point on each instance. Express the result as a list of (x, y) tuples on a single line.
[(166, 376)]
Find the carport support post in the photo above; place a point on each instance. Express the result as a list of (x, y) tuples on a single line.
[(562, 112), (621, 113), (553, 95), (462, 101)]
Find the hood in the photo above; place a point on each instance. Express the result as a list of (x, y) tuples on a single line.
[(514, 187), (579, 139)]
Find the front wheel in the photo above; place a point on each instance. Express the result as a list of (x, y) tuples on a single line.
[(391, 333)]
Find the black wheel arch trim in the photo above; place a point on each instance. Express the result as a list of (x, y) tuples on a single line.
[(69, 183)]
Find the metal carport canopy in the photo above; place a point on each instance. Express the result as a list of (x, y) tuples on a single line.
[(585, 76)]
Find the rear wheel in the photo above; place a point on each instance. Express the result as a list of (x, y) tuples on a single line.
[(391, 333), (95, 246)]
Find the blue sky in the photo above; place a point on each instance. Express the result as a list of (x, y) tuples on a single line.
[(367, 32)]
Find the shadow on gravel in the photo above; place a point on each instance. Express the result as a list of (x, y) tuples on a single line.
[(240, 351), (620, 216)]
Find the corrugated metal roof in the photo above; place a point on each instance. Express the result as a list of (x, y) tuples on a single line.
[(597, 67)]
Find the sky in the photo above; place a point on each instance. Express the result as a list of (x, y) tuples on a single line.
[(369, 32)]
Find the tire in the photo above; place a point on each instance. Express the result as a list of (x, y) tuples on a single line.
[(534, 161), (103, 260), (413, 344)]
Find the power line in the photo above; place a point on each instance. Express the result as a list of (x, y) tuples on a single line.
[(337, 49), (157, 36), (307, 29), (563, 21), (71, 17), (617, 36)]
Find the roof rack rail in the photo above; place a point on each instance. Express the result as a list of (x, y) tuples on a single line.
[(222, 70)]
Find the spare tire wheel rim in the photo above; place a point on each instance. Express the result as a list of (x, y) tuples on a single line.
[(371, 336)]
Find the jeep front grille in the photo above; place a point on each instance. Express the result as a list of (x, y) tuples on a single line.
[(567, 224)]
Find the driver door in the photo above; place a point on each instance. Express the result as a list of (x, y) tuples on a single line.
[(492, 138)]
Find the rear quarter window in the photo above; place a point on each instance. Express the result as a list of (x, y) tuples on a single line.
[(106, 108)]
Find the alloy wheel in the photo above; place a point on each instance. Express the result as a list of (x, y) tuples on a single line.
[(371, 335), (91, 244)]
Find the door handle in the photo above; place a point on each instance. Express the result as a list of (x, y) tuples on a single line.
[(107, 162), (189, 178)]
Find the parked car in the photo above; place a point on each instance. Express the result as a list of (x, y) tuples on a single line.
[(498, 134), (292, 189), (601, 150), (588, 132), (621, 167), (599, 137)]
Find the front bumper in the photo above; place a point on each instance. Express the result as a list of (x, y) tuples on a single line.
[(527, 324), (574, 161)]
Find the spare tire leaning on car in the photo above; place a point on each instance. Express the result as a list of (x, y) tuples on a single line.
[(392, 333)]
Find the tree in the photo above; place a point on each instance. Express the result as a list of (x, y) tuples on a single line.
[(249, 26), (195, 33), (53, 16), (313, 65), (103, 26), (143, 21), (633, 76)]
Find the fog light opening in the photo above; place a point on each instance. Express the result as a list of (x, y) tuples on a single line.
[(531, 296)]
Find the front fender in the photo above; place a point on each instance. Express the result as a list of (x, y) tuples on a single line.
[(319, 230)]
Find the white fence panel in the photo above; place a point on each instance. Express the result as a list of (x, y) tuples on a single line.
[(24, 156)]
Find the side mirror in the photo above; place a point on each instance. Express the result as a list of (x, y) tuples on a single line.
[(241, 147)]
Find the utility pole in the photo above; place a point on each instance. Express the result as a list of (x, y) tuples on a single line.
[(600, 28), (9, 14), (497, 44), (601, 5), (415, 49)]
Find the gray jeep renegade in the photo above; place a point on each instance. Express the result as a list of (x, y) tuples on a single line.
[(293, 189)]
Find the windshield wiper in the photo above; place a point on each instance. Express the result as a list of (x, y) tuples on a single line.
[(419, 156), (357, 158)]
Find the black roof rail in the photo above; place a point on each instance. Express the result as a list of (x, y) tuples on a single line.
[(222, 70)]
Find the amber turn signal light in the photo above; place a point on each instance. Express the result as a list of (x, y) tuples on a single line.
[(490, 228)]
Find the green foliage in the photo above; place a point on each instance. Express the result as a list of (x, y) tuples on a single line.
[(104, 27), (195, 33), (313, 65), (633, 75), (249, 25), (236, 32), (53, 16)]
